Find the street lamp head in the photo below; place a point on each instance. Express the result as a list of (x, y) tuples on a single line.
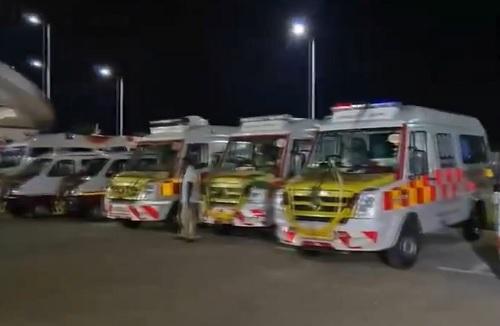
[(104, 71), (35, 63), (32, 19), (299, 29)]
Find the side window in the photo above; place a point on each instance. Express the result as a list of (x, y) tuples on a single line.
[(473, 149), (62, 168), (37, 151), (198, 152), (419, 162), (446, 150), (116, 167), (300, 152)]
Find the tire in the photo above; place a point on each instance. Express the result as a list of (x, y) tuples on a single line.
[(130, 224), (308, 252), (171, 221), (471, 229), (223, 229), (404, 253)]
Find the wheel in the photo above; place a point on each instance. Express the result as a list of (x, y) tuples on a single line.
[(223, 229), (59, 206), (308, 252), (404, 253), (131, 224), (471, 229)]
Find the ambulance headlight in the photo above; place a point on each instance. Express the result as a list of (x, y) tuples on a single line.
[(365, 206), (278, 199), (257, 195), (74, 192), (149, 192)]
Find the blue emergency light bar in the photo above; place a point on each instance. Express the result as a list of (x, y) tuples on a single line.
[(350, 106)]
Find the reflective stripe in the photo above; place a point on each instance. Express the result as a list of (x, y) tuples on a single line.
[(447, 184)]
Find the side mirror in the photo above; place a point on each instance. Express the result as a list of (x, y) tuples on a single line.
[(298, 161), (418, 162), (110, 174), (201, 166)]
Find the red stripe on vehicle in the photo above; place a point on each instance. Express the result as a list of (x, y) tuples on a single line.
[(420, 195), (433, 193), (372, 235), (388, 200), (151, 211), (134, 211)]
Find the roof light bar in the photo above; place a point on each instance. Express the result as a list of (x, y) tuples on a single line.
[(350, 106), (267, 118)]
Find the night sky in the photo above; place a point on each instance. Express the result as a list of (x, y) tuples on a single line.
[(223, 59)]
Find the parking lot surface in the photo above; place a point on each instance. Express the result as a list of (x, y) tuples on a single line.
[(62, 271)]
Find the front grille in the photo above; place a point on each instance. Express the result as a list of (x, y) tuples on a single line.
[(123, 192), (324, 199), (326, 209), (323, 204), (222, 194), (313, 219)]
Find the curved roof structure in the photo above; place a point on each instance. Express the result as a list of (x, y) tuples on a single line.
[(22, 105)]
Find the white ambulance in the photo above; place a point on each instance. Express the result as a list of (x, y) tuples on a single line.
[(36, 189), (265, 152), (381, 175), (149, 190), (15, 156)]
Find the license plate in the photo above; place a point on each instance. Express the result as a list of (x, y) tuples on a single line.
[(222, 213)]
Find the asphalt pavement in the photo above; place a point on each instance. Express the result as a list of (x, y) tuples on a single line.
[(62, 271)]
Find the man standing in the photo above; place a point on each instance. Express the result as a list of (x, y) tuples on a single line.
[(189, 200)]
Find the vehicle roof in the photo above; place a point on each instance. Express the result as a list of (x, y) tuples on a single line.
[(192, 134), (296, 127), (397, 115), (74, 155)]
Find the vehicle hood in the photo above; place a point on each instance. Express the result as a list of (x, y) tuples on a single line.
[(128, 185), (241, 178), (327, 180)]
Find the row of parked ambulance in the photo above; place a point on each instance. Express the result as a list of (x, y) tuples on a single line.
[(368, 177)]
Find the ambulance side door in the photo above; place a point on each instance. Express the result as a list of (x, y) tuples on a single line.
[(421, 163), (451, 202)]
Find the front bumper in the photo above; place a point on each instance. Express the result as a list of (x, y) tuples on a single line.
[(83, 203), (138, 210), (355, 235), (22, 203), (249, 216)]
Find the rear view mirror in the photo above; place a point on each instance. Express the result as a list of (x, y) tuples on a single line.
[(418, 162), (201, 166), (297, 164)]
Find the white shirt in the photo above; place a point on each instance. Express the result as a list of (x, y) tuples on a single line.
[(191, 175)]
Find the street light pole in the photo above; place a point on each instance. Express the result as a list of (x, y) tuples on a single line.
[(312, 78), (48, 61), (35, 20), (107, 72), (120, 105), (300, 30)]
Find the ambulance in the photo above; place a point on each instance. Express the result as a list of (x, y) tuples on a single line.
[(15, 156), (381, 175), (84, 193), (36, 189), (266, 151), (148, 191)]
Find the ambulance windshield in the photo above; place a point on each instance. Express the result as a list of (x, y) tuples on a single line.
[(262, 153), (155, 157), (35, 167), (359, 151), (12, 156)]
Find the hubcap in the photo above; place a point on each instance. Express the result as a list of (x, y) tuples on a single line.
[(409, 246)]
